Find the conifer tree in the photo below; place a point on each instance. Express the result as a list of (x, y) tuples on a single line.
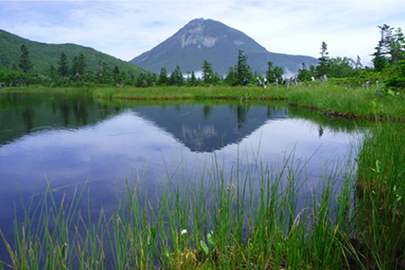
[(270, 72), (176, 78), (79, 66), (232, 77), (242, 68), (193, 79), (163, 80), (25, 64), (358, 64), (322, 68), (207, 73), (63, 68)]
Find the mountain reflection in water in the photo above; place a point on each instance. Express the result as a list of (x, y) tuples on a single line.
[(61, 140), (208, 128)]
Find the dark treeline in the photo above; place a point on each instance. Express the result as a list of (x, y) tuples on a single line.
[(388, 60)]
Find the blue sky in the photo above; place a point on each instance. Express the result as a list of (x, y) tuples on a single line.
[(125, 29)]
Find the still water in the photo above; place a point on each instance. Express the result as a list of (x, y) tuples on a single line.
[(65, 139)]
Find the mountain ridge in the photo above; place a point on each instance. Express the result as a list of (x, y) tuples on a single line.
[(43, 55), (218, 43)]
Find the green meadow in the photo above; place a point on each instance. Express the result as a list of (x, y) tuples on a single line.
[(331, 99), (249, 220)]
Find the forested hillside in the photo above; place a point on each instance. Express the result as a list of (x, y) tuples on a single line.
[(44, 55)]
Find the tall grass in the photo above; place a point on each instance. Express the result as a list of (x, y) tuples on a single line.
[(353, 102), (191, 93), (381, 192), (335, 100), (258, 217)]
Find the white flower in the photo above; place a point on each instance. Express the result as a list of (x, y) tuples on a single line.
[(183, 232)]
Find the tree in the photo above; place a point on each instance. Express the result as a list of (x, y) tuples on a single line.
[(103, 73), (176, 78), (270, 72), (379, 60), (278, 73), (232, 77), (52, 72), (79, 66), (208, 76), (304, 74), (242, 68), (151, 78), (116, 75), (25, 64), (163, 80), (142, 80), (386, 39), (397, 46), (322, 68), (358, 64), (397, 78), (193, 79), (63, 68), (341, 67)]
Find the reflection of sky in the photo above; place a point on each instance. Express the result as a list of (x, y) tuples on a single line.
[(113, 147), (126, 147)]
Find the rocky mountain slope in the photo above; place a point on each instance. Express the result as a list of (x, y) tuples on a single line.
[(211, 40)]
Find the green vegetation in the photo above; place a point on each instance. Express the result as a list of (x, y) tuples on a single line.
[(72, 65), (380, 191), (331, 99), (222, 218), (226, 218), (37, 63)]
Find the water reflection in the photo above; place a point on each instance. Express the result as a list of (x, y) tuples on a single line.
[(65, 139), (205, 128)]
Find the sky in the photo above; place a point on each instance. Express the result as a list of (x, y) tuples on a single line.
[(126, 29)]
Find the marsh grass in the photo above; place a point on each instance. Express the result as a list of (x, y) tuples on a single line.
[(254, 215), (333, 100), (258, 217), (349, 102), (191, 93), (380, 191)]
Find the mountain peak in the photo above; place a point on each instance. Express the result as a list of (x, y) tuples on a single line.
[(197, 33), (206, 39)]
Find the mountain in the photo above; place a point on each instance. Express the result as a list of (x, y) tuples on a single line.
[(211, 40), (44, 55)]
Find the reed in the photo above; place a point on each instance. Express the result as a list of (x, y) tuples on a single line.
[(191, 93), (380, 191), (333, 100), (206, 217)]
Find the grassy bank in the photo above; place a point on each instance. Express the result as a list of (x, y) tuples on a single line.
[(333, 100), (380, 193), (191, 93)]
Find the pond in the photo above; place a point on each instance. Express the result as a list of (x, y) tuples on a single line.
[(66, 140)]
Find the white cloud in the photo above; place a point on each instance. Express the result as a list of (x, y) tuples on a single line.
[(125, 29)]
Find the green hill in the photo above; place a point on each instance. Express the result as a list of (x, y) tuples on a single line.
[(44, 55)]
